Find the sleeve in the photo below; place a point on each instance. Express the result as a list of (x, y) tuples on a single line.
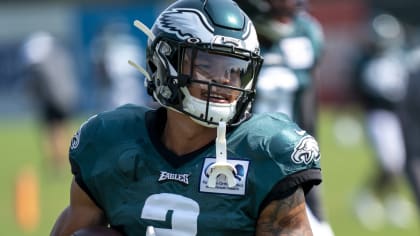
[(284, 188), (297, 156), (82, 153)]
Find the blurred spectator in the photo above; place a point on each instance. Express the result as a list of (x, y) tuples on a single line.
[(117, 82), (292, 45), (50, 81), (380, 82)]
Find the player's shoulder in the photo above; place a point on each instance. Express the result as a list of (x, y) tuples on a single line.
[(269, 123), (306, 17), (271, 127), (119, 117), (128, 112), (277, 137), (308, 22), (108, 126)]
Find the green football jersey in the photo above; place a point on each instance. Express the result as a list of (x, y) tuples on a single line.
[(118, 160), (289, 62), (300, 44)]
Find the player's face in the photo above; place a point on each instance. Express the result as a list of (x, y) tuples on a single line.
[(214, 69)]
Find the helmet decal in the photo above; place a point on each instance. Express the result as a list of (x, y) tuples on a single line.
[(250, 34), (186, 23)]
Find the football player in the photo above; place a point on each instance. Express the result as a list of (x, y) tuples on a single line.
[(292, 44), (381, 75), (200, 164), (51, 82)]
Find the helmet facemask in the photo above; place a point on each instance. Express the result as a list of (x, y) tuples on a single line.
[(210, 84)]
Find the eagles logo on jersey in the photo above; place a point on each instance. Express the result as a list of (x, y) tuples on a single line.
[(76, 137), (306, 151)]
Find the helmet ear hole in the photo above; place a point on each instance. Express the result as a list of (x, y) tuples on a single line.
[(150, 86)]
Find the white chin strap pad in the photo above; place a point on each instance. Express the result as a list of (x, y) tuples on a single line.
[(217, 111)]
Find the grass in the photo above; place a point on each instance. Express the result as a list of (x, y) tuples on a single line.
[(21, 149), (346, 165)]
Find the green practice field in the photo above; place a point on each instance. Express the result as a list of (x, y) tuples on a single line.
[(346, 164)]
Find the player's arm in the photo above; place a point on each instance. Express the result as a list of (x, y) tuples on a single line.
[(81, 212), (286, 216)]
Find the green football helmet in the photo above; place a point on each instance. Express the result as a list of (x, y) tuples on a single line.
[(220, 43)]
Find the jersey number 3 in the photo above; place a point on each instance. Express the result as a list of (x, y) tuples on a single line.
[(184, 213)]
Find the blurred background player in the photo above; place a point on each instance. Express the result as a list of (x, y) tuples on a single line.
[(50, 80), (116, 82), (292, 45), (380, 82)]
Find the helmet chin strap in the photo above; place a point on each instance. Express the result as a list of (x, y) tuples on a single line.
[(216, 111), (143, 28), (221, 166), (140, 69)]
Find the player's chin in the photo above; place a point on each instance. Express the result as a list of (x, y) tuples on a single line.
[(97, 231)]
